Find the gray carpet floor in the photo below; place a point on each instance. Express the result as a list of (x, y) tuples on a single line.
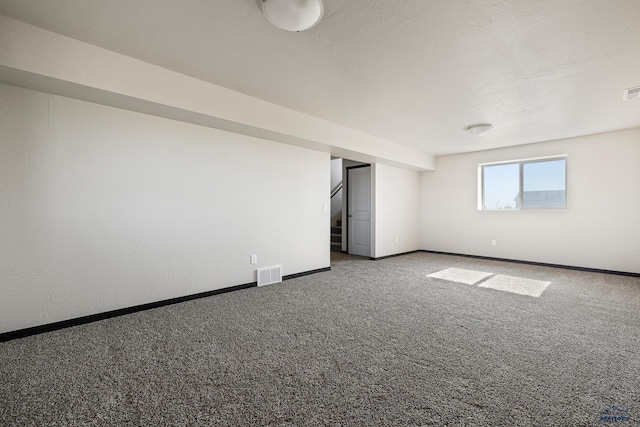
[(369, 343)]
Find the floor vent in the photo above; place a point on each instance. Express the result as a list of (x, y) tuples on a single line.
[(269, 276), (631, 93)]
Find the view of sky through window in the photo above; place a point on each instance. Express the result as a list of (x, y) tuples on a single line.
[(540, 176), (544, 185), (501, 186)]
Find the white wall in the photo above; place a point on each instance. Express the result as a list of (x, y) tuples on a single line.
[(397, 210), (42, 60), (599, 229), (103, 208)]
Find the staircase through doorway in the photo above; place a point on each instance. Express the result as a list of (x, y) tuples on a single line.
[(336, 236)]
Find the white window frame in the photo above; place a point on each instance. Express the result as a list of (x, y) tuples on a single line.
[(520, 163)]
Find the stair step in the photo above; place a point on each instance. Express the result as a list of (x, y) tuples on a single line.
[(336, 230), (336, 238), (336, 247), (339, 222)]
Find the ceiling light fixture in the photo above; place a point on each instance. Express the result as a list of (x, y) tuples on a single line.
[(293, 15), (478, 129)]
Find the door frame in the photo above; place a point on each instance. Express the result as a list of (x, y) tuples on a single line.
[(345, 217)]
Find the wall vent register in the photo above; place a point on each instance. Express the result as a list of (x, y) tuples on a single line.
[(631, 93), (269, 276)]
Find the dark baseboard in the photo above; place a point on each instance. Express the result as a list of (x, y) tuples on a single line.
[(306, 273), (394, 255), (49, 327), (541, 264)]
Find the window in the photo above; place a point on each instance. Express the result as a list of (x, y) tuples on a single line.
[(524, 184)]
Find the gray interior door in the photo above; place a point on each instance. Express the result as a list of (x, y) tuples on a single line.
[(359, 210)]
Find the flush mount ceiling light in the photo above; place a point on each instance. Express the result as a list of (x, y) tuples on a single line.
[(478, 129), (293, 15)]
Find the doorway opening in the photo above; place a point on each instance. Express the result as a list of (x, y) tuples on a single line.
[(351, 207)]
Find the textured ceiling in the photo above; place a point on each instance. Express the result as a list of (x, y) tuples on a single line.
[(414, 72)]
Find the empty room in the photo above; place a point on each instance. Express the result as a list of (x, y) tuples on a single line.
[(319, 212)]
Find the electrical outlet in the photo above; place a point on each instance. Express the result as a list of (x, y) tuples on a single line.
[(494, 243), (254, 258)]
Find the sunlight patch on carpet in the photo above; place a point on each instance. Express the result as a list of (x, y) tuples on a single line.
[(469, 277), (516, 285)]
